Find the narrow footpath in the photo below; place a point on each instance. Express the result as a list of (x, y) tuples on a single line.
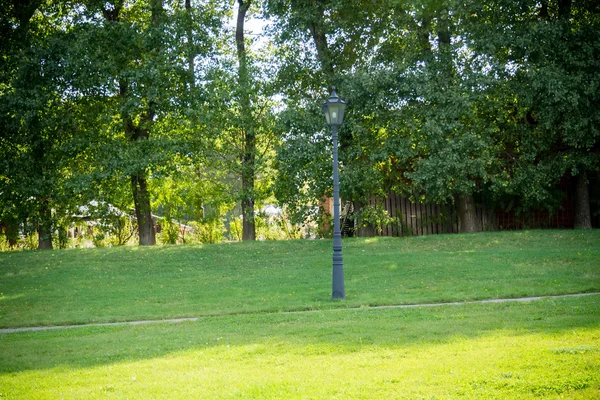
[(193, 319)]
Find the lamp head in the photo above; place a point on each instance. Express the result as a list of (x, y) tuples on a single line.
[(333, 108)]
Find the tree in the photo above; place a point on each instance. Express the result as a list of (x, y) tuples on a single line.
[(40, 122), (311, 63), (247, 125), (144, 68), (548, 53)]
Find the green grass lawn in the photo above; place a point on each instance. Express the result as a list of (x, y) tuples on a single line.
[(100, 285), (242, 347), (545, 349)]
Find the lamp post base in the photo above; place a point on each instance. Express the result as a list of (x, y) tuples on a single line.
[(338, 291)]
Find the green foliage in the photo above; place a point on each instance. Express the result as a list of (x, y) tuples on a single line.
[(290, 230), (235, 229), (210, 231), (375, 216), (493, 99), (4, 245), (324, 221), (121, 231), (170, 232), (61, 240), (266, 229), (30, 242), (99, 239), (277, 227), (454, 99)]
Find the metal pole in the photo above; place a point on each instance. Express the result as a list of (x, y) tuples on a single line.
[(338, 291)]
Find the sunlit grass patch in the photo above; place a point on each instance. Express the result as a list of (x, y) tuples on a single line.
[(547, 349)]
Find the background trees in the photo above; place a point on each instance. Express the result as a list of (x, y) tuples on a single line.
[(120, 102)]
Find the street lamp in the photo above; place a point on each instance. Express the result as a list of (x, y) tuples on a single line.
[(333, 108)]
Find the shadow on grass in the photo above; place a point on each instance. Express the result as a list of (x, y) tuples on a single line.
[(342, 331)]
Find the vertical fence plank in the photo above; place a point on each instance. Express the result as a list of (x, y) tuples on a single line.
[(389, 227), (407, 222), (418, 219), (454, 215), (402, 217), (430, 218), (409, 217), (423, 219), (447, 219), (397, 223), (413, 219)]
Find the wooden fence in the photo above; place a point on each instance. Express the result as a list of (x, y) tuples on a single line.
[(412, 219)]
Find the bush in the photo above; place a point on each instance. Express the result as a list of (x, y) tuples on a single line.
[(4, 246), (291, 231), (61, 239), (31, 241), (324, 225), (211, 231), (375, 216), (267, 228), (99, 240), (122, 229), (170, 232), (276, 228), (236, 229)]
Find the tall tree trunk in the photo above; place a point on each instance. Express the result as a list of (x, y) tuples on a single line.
[(143, 212), (423, 35), (45, 226), (564, 8), (544, 14), (465, 204), (319, 36), (10, 226), (141, 131), (190, 42), (467, 213), (139, 185), (247, 128), (583, 216)]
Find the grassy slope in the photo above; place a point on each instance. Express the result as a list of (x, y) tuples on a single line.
[(94, 285), (546, 349)]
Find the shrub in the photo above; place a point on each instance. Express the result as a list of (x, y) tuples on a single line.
[(236, 229), (99, 240), (170, 232), (211, 231), (375, 216)]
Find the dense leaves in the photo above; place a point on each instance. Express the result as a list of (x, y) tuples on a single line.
[(163, 106)]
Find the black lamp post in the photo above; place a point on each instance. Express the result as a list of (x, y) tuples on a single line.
[(333, 108)]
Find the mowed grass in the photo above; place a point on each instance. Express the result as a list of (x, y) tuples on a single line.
[(243, 347), (546, 349), (131, 283)]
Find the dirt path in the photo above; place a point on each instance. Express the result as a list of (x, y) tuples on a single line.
[(179, 320)]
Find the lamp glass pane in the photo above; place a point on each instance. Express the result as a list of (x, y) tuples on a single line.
[(334, 113), (325, 110), (340, 113)]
